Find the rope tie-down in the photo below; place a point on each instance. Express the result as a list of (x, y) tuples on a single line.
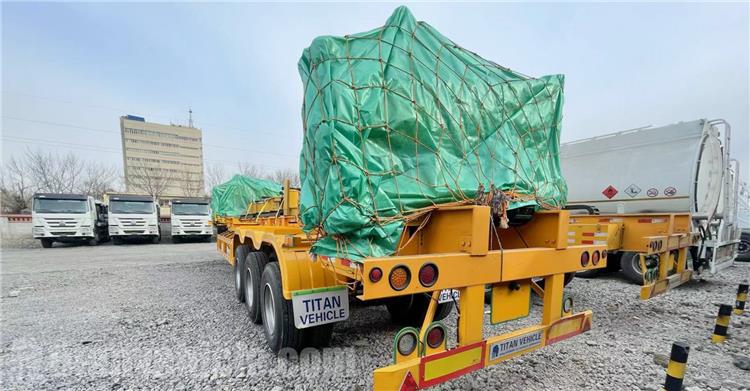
[(400, 120)]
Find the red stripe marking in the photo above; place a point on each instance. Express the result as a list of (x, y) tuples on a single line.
[(444, 378), (588, 234), (587, 242), (644, 220)]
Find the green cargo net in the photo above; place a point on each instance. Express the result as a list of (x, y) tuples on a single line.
[(232, 197), (400, 119)]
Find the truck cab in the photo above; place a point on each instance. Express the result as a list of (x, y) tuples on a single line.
[(190, 219), (133, 217), (68, 218)]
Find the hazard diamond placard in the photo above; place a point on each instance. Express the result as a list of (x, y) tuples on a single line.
[(609, 192)]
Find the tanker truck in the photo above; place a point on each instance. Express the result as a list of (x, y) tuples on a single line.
[(676, 179)]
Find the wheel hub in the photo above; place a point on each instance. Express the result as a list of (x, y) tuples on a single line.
[(249, 287), (269, 315)]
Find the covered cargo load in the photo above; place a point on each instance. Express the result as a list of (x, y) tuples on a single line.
[(400, 119), (232, 197)]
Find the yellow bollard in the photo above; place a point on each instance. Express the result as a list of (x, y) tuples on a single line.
[(677, 365), (739, 306), (722, 324)]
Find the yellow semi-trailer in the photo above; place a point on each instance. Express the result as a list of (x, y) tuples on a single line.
[(654, 183), (297, 296)]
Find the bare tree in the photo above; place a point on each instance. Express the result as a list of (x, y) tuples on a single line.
[(15, 187), (53, 173), (97, 179), (215, 175), (191, 184), (251, 170), (36, 171), (281, 174), (153, 180)]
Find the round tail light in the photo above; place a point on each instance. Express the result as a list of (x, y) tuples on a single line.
[(376, 274), (595, 258), (406, 343), (585, 259), (428, 275), (604, 253), (399, 278), (435, 336)]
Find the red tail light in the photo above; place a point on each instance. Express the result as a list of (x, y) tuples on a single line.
[(585, 259), (435, 336), (595, 258), (376, 274), (428, 275)]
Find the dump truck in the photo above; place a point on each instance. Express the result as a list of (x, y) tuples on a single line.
[(133, 217), (662, 199), (68, 218), (190, 219), (427, 173)]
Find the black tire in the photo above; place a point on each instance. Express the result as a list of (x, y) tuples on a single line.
[(630, 263), (410, 310), (116, 240), (176, 239), (593, 273), (46, 243), (254, 263), (743, 247), (613, 265), (240, 254), (156, 239), (95, 240), (567, 280), (208, 238), (278, 315)]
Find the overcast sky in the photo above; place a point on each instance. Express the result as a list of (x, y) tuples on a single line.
[(70, 70)]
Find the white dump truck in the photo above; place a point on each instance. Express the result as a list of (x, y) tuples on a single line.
[(67, 218), (133, 217), (679, 168), (190, 219)]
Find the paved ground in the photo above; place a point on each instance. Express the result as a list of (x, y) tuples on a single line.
[(163, 317)]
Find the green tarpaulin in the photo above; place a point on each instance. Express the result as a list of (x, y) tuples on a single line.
[(400, 118), (231, 198)]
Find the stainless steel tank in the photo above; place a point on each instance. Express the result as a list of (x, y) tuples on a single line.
[(673, 168)]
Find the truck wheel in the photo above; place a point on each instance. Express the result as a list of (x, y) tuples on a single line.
[(318, 336), (156, 239), (566, 280), (278, 315), (254, 263), (410, 310), (46, 243), (95, 240), (743, 247), (176, 239), (630, 262), (116, 240), (240, 254)]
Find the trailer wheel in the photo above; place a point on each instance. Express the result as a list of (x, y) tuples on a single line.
[(46, 243), (253, 264), (630, 262), (277, 313), (743, 247), (409, 310), (566, 280), (116, 240), (240, 254)]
